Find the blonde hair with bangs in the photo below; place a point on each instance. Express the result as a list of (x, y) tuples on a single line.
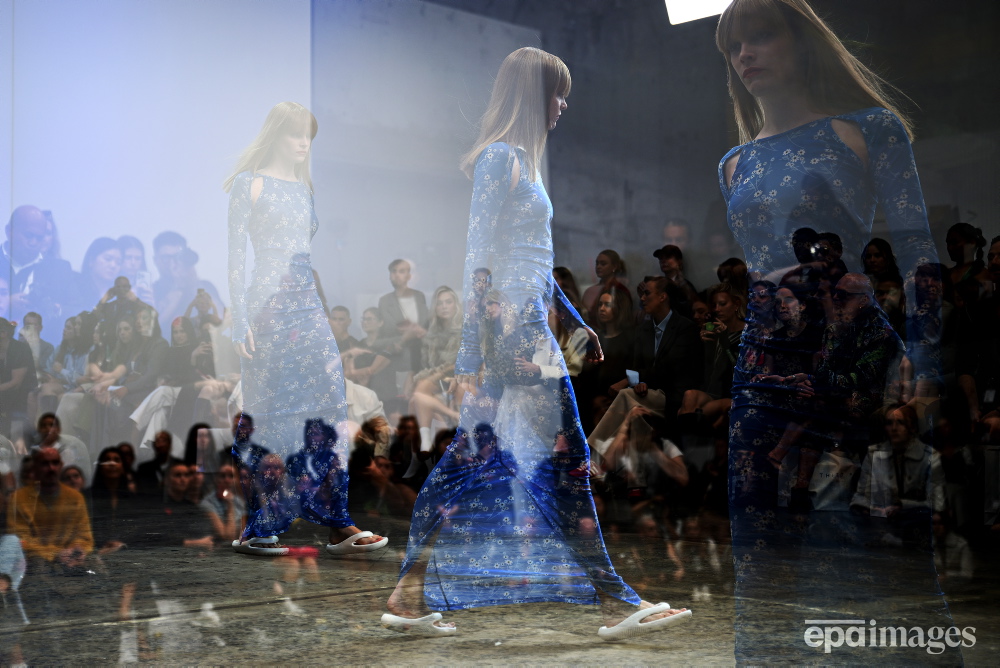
[(835, 80), (518, 112), (283, 118)]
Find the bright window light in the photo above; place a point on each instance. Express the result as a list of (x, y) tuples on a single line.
[(682, 11)]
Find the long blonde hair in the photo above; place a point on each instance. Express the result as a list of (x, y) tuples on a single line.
[(283, 118), (836, 81), (518, 112)]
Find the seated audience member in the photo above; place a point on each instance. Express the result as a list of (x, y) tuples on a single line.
[(42, 352), (204, 313), (608, 268), (880, 262), (119, 302), (371, 490), (734, 272), (362, 404), (407, 454), (50, 518), (340, 323), (72, 476), (72, 450), (224, 508), (404, 317), (977, 362), (721, 338), (567, 283), (202, 453), (134, 267), (69, 364), (178, 284), (17, 379), (101, 266), (128, 463), (965, 245), (178, 521), (150, 475), (39, 280), (432, 396), (667, 360), (671, 260), (370, 363), (613, 324), (113, 506)]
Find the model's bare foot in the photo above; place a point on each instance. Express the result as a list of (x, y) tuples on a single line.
[(407, 600), (343, 533), (616, 611)]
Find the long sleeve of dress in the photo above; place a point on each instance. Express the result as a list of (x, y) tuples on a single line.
[(491, 186), (567, 313), (897, 187), (239, 218)]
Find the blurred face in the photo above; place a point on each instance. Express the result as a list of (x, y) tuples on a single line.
[(167, 258), (69, 329), (446, 307), (144, 321), (370, 322), (27, 236), (242, 428), (493, 309), (763, 58), (959, 250), (48, 427), (339, 323), (162, 443), (603, 267), (761, 297), (407, 430), (652, 299), (849, 300), (125, 332), (111, 465), (272, 468), (676, 235), (384, 465), (889, 294), (897, 428), (669, 265), (993, 262), (480, 281), (789, 307), (606, 309), (557, 105), (203, 439), (225, 479), (399, 275), (132, 260), (875, 260), (33, 322), (179, 334), (48, 466), (177, 481), (107, 265), (699, 313), (72, 478), (725, 306), (292, 148), (128, 455)]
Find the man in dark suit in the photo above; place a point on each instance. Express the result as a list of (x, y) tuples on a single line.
[(667, 357), (404, 316)]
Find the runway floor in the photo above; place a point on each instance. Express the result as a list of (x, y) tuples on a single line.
[(222, 608)]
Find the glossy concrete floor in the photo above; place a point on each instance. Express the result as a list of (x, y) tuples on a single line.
[(222, 608)]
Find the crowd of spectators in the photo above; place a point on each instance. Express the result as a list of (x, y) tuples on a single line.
[(117, 433)]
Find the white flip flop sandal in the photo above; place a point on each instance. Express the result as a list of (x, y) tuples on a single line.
[(421, 626), (632, 625), (258, 546), (350, 546)]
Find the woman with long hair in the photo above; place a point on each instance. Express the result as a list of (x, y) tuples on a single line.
[(440, 346), (102, 264), (291, 368), (965, 248), (507, 515), (822, 145), (608, 268)]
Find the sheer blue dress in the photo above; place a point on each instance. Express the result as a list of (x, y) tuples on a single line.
[(507, 515), (294, 385), (823, 561)]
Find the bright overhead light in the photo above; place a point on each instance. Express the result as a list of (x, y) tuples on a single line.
[(682, 11)]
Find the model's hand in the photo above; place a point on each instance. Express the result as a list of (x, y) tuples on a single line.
[(468, 383), (594, 353), (244, 349)]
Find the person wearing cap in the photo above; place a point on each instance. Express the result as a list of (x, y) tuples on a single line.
[(671, 260)]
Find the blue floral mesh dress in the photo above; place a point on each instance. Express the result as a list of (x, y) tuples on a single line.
[(507, 515), (812, 560), (294, 386)]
